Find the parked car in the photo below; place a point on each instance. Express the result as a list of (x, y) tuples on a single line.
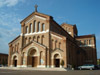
[(0, 65), (87, 66)]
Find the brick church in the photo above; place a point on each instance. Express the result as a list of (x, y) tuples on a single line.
[(45, 43)]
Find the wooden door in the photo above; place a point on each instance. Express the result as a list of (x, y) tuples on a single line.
[(34, 61), (57, 62)]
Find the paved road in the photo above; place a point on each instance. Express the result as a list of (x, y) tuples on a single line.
[(24, 72)]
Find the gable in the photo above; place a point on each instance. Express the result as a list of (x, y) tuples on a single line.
[(35, 15)]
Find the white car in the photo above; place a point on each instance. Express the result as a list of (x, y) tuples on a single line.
[(87, 66)]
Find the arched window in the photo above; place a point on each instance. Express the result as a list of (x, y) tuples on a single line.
[(26, 29), (38, 39), (85, 42), (12, 49), (17, 46), (39, 29), (90, 42), (41, 57), (42, 39), (59, 45), (29, 39), (31, 28), (34, 38), (25, 41), (43, 27), (34, 26), (52, 43), (55, 44)]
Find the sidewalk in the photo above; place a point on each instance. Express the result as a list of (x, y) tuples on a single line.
[(36, 69)]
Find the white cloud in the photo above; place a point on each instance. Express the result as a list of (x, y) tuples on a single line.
[(9, 19), (9, 29), (9, 3)]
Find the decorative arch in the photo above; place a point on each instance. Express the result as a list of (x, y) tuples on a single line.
[(43, 27), (29, 40), (34, 47), (56, 59), (42, 39), (38, 38), (15, 54), (38, 29), (33, 38), (55, 54), (34, 29)]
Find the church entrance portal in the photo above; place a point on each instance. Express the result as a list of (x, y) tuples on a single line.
[(33, 57)]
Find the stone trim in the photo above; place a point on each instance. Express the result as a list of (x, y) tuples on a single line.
[(36, 33), (56, 36)]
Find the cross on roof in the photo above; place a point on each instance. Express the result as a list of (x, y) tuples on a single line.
[(36, 7)]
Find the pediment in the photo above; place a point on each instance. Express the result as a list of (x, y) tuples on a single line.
[(35, 15)]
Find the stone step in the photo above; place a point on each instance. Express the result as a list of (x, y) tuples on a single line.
[(39, 69)]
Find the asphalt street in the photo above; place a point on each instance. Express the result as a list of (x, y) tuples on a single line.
[(31, 72)]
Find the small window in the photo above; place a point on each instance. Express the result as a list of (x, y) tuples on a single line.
[(39, 29), (35, 26), (29, 39), (85, 42), (43, 27), (31, 28), (34, 38), (26, 29), (90, 42), (25, 41), (38, 39), (42, 39), (55, 44), (59, 45)]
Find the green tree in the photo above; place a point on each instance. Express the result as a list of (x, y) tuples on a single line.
[(62, 63)]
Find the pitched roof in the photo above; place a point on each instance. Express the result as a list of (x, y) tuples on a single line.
[(14, 39)]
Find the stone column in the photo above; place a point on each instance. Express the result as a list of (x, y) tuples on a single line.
[(25, 60), (52, 63), (19, 61), (48, 58)]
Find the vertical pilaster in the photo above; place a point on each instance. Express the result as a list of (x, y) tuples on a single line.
[(9, 56), (22, 35)]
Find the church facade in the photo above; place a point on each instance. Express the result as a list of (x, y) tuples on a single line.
[(45, 43)]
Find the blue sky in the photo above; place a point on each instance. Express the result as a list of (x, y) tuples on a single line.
[(84, 13)]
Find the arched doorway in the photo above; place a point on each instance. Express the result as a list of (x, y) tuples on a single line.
[(57, 60), (32, 57), (15, 61)]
